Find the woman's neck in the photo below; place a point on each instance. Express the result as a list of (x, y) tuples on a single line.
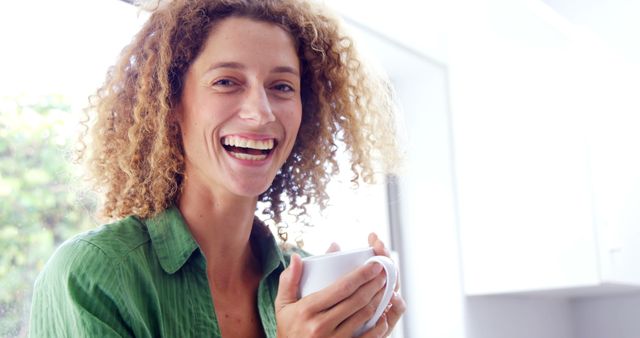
[(221, 225)]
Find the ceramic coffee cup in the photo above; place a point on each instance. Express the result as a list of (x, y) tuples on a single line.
[(318, 272)]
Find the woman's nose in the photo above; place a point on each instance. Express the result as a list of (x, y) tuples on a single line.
[(256, 106)]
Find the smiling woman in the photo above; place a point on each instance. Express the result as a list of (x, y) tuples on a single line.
[(214, 107), (235, 93)]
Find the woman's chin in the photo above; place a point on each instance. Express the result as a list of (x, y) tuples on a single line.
[(252, 190)]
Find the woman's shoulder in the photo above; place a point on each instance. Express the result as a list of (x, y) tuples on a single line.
[(116, 239), (82, 287), (98, 249)]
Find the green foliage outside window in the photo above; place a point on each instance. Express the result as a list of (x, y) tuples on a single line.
[(42, 202)]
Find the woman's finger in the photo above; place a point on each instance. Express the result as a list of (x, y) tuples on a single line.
[(361, 316), (380, 330), (380, 250), (378, 246), (398, 307), (334, 247), (369, 295), (342, 288), (289, 283)]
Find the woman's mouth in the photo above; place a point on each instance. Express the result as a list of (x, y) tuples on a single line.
[(248, 149)]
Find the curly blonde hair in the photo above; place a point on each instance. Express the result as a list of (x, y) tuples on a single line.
[(135, 154)]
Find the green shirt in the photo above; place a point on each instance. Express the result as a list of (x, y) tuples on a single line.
[(141, 278)]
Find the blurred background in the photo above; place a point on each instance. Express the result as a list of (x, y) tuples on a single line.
[(515, 215)]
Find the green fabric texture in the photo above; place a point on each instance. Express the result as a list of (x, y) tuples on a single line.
[(141, 278)]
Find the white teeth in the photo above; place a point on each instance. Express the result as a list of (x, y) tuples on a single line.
[(236, 141), (250, 157)]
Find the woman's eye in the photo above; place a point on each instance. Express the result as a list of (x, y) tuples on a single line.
[(283, 87), (224, 83)]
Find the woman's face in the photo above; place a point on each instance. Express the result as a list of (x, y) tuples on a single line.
[(240, 108)]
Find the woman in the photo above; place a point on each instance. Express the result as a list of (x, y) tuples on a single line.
[(215, 106)]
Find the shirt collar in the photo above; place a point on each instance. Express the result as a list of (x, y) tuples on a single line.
[(174, 244), (171, 239)]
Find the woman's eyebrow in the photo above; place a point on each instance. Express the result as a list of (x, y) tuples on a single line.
[(285, 69), (232, 65), (237, 65)]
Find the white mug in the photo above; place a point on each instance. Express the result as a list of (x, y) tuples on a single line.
[(318, 272)]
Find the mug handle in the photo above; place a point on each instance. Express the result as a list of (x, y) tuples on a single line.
[(392, 277)]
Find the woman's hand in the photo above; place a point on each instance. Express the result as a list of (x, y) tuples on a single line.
[(397, 306), (337, 311), (340, 309)]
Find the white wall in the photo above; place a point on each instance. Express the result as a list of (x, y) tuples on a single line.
[(519, 317), (606, 317), (421, 25), (614, 21)]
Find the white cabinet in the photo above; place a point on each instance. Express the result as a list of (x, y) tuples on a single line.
[(615, 167), (548, 178), (547, 166), (539, 221)]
